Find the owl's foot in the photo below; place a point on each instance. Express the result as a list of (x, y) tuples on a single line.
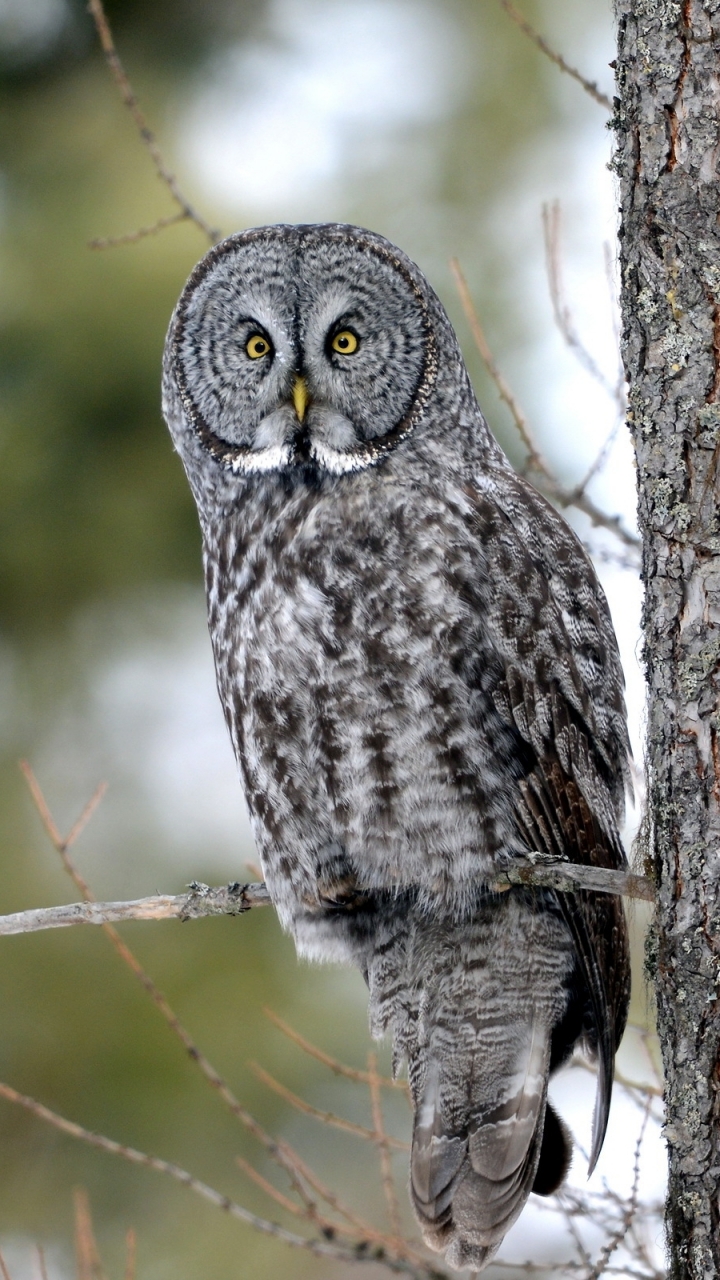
[(341, 895)]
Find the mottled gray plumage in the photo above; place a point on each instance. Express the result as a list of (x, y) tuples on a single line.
[(421, 681)]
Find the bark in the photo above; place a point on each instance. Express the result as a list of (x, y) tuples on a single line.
[(668, 141)]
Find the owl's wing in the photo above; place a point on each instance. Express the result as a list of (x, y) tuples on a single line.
[(563, 692)]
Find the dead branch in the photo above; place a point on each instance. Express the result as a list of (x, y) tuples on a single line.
[(358, 1229), (504, 390), (384, 1148), (575, 497), (552, 226), (363, 1229), (87, 1254), (130, 1254), (339, 1068), (235, 899), (628, 1216), (298, 1210), (131, 237), (325, 1117), (321, 1248), (637, 1087), (588, 85), (282, 1154), (187, 211)]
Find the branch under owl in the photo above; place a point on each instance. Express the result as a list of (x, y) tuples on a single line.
[(234, 899)]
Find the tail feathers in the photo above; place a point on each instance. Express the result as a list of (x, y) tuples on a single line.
[(469, 1185), (555, 1154)]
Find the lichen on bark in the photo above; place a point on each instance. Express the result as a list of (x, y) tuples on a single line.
[(667, 123)]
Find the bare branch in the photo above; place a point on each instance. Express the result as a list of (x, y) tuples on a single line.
[(626, 1221), (357, 1228), (386, 1172), (300, 1211), (552, 225), (321, 1248), (131, 237), (563, 497), (504, 390), (569, 877), (339, 1068), (588, 85), (363, 1229), (146, 135), (235, 899), (280, 1154), (325, 1117), (89, 1265), (130, 1254), (632, 1086), (228, 901)]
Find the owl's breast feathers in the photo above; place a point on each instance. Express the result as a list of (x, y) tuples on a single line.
[(418, 685)]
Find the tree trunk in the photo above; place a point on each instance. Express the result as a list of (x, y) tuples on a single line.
[(668, 143)]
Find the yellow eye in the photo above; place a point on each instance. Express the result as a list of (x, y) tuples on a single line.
[(345, 342), (257, 346)]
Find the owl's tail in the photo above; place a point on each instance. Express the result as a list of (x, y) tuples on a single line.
[(471, 1174), (474, 1017)]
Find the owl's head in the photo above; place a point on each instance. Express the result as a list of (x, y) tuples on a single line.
[(295, 346)]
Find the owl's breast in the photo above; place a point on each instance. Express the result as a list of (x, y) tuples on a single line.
[(357, 677)]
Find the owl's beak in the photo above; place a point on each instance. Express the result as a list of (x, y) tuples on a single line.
[(300, 397)]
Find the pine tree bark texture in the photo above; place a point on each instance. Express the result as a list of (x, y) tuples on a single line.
[(668, 145)]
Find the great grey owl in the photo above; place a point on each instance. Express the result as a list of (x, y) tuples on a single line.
[(421, 681)]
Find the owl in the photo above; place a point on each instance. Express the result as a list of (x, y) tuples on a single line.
[(421, 682)]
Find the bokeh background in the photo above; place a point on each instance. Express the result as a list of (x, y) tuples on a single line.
[(437, 123)]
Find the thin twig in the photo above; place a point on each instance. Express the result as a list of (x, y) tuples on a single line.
[(619, 1235), (3, 1269), (126, 955), (602, 457), (504, 390), (321, 1248), (325, 1117), (599, 518), (42, 1266), (588, 85), (355, 1231), (572, 1229), (89, 1264), (339, 1068), (385, 1153), (364, 1229), (633, 1086), (552, 224), (535, 461), (131, 237), (130, 1254), (300, 1211), (146, 135)]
